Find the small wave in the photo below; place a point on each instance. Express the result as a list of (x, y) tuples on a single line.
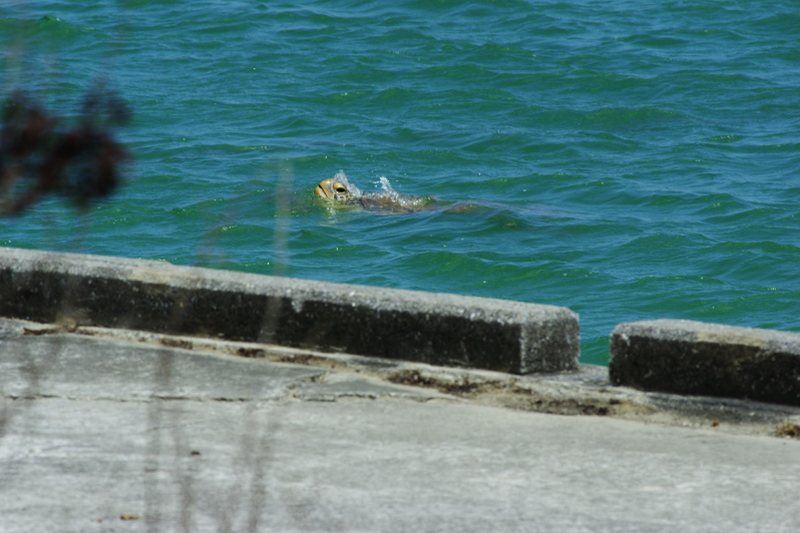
[(50, 25)]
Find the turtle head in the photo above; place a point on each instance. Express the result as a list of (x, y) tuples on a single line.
[(335, 190)]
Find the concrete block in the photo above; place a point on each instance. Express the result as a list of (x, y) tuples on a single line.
[(686, 357), (441, 329)]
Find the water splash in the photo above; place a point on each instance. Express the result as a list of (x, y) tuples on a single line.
[(386, 186), (355, 191), (387, 198), (402, 199)]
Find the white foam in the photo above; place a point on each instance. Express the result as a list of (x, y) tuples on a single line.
[(387, 192)]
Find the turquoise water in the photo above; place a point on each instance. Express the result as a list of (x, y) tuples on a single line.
[(628, 160)]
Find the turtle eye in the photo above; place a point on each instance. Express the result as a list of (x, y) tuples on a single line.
[(341, 189)]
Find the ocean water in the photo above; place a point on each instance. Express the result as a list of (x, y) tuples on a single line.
[(627, 160)]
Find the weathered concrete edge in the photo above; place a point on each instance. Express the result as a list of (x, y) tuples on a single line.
[(442, 329), (688, 357), (586, 391)]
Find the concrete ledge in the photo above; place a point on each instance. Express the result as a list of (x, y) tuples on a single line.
[(440, 329), (686, 357)]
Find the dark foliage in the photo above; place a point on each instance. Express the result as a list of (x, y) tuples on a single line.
[(39, 155)]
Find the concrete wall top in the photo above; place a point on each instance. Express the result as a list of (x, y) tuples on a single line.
[(155, 296)]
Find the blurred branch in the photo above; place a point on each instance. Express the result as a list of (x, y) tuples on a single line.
[(41, 155)]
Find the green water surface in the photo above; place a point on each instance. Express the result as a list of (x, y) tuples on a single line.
[(629, 160)]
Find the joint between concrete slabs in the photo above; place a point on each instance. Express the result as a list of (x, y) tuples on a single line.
[(327, 377)]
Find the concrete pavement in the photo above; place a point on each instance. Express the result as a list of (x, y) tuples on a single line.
[(107, 430)]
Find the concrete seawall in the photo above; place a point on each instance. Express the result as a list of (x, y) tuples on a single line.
[(687, 357), (440, 329), (672, 356)]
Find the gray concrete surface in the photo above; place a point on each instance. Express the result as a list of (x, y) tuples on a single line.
[(687, 357), (441, 329), (99, 433)]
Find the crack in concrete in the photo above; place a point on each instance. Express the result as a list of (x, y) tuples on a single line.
[(585, 392)]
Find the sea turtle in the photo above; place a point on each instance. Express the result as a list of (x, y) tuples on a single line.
[(335, 190), (339, 192)]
